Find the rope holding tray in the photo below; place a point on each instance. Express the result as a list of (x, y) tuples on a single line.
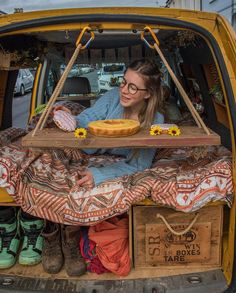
[(62, 80), (187, 100)]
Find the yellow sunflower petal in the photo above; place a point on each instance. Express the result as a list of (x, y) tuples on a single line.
[(174, 131), (155, 130), (80, 133)]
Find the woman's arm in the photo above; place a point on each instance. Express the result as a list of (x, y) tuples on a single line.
[(136, 161)]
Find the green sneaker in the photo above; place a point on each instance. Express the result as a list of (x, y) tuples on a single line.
[(9, 240), (31, 253)]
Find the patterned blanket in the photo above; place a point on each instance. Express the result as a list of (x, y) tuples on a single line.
[(44, 182)]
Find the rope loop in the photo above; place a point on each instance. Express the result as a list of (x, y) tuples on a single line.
[(148, 29), (92, 36), (176, 232)]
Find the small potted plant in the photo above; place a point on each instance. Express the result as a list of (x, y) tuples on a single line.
[(219, 104), (217, 94)]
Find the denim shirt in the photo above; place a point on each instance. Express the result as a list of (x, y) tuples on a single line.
[(108, 107)]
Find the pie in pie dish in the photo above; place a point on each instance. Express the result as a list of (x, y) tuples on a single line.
[(114, 127)]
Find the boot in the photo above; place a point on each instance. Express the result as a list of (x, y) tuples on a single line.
[(31, 253), (52, 257), (9, 237), (74, 262)]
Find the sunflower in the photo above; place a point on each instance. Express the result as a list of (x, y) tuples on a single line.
[(174, 131), (80, 133), (155, 130)]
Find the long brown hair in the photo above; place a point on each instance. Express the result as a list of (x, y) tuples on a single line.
[(151, 75)]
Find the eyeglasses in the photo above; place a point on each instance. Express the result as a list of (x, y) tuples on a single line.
[(132, 88)]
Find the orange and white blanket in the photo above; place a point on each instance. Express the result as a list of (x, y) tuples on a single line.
[(44, 183)]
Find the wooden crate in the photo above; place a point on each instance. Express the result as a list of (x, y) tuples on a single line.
[(154, 245)]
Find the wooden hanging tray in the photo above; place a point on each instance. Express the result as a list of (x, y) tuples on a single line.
[(56, 138)]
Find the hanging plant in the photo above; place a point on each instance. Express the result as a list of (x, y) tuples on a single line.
[(182, 38), (216, 92)]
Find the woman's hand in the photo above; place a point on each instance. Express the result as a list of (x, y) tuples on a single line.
[(86, 180), (62, 108)]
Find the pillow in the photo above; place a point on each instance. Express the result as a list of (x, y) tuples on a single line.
[(75, 108), (64, 120)]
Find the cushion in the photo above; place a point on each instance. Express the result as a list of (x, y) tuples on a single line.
[(64, 120)]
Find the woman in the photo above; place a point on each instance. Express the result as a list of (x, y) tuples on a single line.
[(139, 97)]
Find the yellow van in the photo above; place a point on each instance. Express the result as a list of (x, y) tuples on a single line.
[(181, 216)]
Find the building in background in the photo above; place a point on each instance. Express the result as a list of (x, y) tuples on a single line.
[(227, 8), (185, 4), (18, 10)]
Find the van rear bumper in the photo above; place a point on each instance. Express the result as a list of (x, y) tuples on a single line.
[(210, 282)]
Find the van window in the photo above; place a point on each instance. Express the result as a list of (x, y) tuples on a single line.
[(22, 95)]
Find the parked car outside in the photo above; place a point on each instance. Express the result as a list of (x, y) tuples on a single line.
[(75, 70), (33, 70), (24, 82), (110, 76), (86, 69)]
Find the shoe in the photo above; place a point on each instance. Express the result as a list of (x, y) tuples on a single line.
[(31, 252), (52, 257), (74, 262), (9, 237)]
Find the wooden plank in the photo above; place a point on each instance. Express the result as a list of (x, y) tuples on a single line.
[(56, 138)]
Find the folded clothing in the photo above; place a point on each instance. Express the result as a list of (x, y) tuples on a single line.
[(112, 244)]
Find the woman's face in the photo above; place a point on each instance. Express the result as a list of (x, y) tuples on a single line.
[(132, 82)]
